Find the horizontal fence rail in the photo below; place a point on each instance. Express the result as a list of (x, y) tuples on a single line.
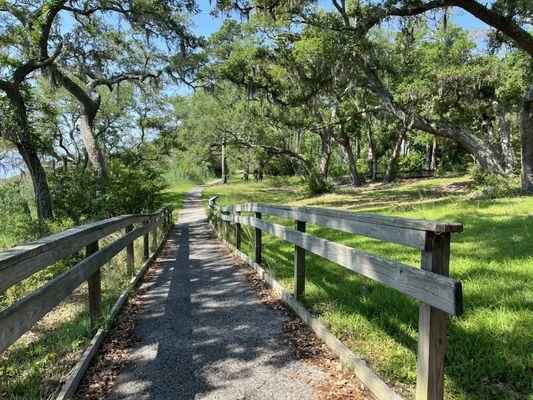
[(438, 294), (21, 262)]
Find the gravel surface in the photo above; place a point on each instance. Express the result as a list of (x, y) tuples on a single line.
[(204, 334)]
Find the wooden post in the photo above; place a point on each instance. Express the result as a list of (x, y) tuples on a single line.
[(432, 324), (226, 228), (258, 241), (238, 232), (146, 245), (130, 255), (299, 265), (154, 239), (95, 288)]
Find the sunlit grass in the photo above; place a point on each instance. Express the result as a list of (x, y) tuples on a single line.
[(175, 194), (489, 348)]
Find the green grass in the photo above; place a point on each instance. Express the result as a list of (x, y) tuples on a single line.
[(36, 366), (175, 193), (489, 348)]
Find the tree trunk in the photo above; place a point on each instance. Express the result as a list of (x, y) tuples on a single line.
[(352, 161), (43, 200), (391, 165), (246, 174), (483, 152), (371, 154), (90, 100), (96, 157), (223, 162), (325, 152), (433, 155), (506, 137), (527, 142), (28, 152), (429, 151)]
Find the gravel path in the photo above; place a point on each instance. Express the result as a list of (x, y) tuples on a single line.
[(204, 334)]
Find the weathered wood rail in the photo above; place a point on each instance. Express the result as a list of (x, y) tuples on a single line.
[(21, 262), (438, 294)]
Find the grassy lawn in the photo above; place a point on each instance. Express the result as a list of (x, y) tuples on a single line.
[(489, 352), (36, 366)]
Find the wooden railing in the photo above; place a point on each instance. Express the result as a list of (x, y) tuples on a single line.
[(21, 262), (438, 294)]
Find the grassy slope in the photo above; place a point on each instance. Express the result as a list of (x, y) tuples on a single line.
[(489, 349), (37, 364)]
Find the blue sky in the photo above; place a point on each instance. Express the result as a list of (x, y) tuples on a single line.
[(206, 24)]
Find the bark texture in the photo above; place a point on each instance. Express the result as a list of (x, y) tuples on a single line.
[(346, 144), (527, 143), (43, 200), (390, 173), (94, 152)]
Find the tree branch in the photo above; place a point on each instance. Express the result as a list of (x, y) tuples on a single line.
[(506, 25), (27, 68)]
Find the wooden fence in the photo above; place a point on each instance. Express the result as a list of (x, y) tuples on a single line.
[(21, 262), (438, 294)]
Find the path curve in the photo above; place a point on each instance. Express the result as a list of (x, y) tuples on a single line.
[(204, 333)]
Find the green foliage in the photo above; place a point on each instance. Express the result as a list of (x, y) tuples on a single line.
[(413, 161), (185, 167), (134, 189), (279, 166), (82, 196), (487, 186), (15, 213)]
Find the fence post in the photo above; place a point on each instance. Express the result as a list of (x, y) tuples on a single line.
[(299, 265), (258, 241), (432, 324), (227, 227), (146, 244), (154, 239), (238, 232), (130, 256), (95, 288)]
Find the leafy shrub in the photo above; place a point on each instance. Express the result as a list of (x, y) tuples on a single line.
[(316, 185), (415, 160), (81, 196), (279, 166), (19, 225), (488, 186), (185, 168)]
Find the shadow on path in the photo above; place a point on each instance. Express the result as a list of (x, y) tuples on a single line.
[(204, 334)]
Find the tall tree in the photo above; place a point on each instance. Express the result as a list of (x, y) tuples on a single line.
[(114, 43), (25, 34)]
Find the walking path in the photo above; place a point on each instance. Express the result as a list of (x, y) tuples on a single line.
[(204, 334)]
